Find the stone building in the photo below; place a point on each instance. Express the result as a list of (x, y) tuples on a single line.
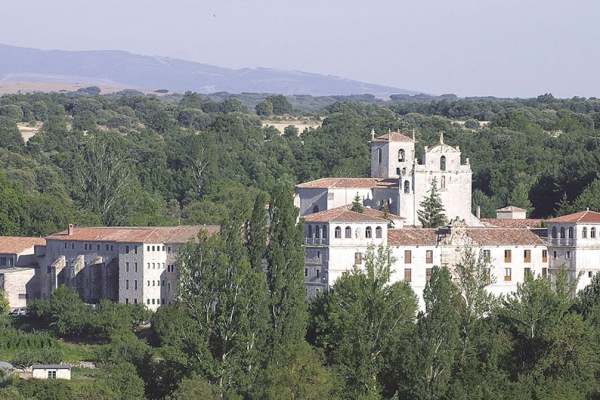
[(19, 258), (129, 265)]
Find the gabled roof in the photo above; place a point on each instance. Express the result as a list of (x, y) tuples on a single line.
[(50, 366), (392, 137), (343, 214), (18, 244), (503, 236), (163, 234), (583, 217), (510, 208), (412, 237), (350, 183), (512, 223)]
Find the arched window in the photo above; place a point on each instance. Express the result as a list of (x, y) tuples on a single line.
[(325, 231), (443, 183), (443, 163), (404, 171), (571, 233), (554, 232), (310, 231), (593, 233), (317, 232), (368, 232), (378, 232), (562, 232), (315, 209), (338, 232), (584, 233), (401, 155), (406, 187), (379, 155), (398, 171), (348, 233)]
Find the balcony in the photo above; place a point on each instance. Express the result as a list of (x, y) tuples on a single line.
[(316, 241)]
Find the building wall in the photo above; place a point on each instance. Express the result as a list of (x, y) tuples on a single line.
[(17, 284), (42, 373), (390, 164)]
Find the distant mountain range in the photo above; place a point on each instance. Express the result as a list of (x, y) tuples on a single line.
[(123, 69)]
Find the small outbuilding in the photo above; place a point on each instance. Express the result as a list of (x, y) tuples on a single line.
[(51, 371)]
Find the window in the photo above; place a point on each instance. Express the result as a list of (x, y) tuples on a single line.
[(507, 274), (153, 265), (153, 283), (135, 249), (85, 246), (562, 232), (590, 274), (305, 271), (127, 249), (527, 273), (318, 254), (544, 272), (162, 283), (106, 247), (348, 233), (429, 256), (379, 155), (487, 257), (338, 232), (368, 232), (317, 232), (153, 248), (407, 275), (378, 232), (148, 283), (111, 247), (527, 256), (568, 254), (52, 374), (147, 301), (407, 257), (163, 248), (593, 233), (126, 300), (135, 267), (66, 245), (315, 209), (317, 272), (357, 258), (162, 301), (73, 246), (169, 249), (554, 232), (127, 284), (443, 183), (443, 163), (507, 256), (127, 267), (584, 233), (544, 255), (401, 155), (147, 248), (571, 233), (168, 286), (135, 285), (2, 260), (554, 254), (153, 301), (428, 272), (310, 234), (324, 231), (406, 187), (398, 171)]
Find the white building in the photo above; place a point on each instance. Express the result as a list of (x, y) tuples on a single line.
[(129, 265)]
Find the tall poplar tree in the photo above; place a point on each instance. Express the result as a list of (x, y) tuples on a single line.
[(285, 272)]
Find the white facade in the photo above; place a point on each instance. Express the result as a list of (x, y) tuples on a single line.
[(51, 371)]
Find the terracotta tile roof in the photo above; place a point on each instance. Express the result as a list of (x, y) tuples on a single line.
[(166, 234), (343, 214), (512, 223), (412, 237), (326, 183), (393, 137), (18, 244), (583, 216), (503, 236)]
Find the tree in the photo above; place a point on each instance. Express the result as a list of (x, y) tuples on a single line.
[(264, 108), (431, 214), (280, 103), (4, 304), (285, 272), (357, 204), (363, 322)]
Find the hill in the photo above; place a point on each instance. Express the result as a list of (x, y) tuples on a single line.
[(123, 69)]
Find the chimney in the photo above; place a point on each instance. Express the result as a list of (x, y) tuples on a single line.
[(70, 230)]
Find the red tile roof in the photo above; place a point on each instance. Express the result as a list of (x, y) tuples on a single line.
[(583, 216), (503, 236), (343, 214), (393, 137), (512, 223), (166, 234), (412, 237), (18, 244), (350, 183)]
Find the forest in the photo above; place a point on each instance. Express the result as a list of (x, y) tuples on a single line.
[(247, 333)]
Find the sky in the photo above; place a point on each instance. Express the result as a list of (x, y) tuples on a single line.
[(502, 48)]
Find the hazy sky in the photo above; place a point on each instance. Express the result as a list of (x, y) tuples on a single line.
[(504, 48)]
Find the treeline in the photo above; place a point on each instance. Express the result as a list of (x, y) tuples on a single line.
[(134, 160)]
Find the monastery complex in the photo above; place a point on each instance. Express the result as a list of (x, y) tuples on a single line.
[(138, 265)]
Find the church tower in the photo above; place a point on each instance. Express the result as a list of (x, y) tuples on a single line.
[(392, 155)]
